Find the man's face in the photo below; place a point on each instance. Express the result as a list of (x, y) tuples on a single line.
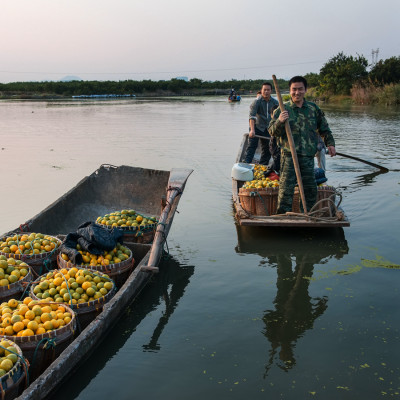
[(266, 91), (297, 92)]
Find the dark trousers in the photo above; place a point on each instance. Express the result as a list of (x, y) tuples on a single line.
[(252, 146)]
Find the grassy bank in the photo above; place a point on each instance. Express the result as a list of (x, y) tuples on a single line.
[(388, 95)]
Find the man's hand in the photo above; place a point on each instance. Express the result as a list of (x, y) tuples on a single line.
[(283, 116), (332, 151), (252, 133)]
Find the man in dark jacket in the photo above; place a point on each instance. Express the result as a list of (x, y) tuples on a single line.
[(259, 117)]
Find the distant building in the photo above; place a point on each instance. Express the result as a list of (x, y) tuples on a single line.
[(183, 78), (70, 78)]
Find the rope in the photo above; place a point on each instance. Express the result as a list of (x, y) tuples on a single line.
[(24, 365), (254, 194)]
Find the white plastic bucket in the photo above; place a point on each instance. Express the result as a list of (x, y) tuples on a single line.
[(242, 172)]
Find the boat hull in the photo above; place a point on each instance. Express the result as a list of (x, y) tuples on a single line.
[(108, 189)]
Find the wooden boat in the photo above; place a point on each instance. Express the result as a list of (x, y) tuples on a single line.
[(335, 218), (109, 188), (233, 99)]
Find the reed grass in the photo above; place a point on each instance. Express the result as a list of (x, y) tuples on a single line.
[(370, 94)]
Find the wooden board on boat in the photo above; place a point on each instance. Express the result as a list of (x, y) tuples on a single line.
[(108, 189), (243, 217)]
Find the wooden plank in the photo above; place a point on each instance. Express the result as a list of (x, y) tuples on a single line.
[(176, 184)]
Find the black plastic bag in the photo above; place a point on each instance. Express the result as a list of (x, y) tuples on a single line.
[(92, 238)]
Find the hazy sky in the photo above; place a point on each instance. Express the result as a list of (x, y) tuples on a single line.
[(206, 39)]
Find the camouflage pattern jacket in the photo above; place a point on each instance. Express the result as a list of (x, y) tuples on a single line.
[(306, 123)]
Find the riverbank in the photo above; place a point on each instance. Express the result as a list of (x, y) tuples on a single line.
[(388, 95)]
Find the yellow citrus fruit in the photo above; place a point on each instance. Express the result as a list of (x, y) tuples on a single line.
[(18, 326), (8, 330), (12, 303), (48, 326), (40, 331), (46, 317), (27, 332), (33, 325)]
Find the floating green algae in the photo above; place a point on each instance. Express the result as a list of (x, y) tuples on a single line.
[(380, 262)]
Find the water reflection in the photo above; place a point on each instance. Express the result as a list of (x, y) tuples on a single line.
[(294, 253), (362, 181), (168, 286)]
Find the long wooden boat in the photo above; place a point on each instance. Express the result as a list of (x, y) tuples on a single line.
[(110, 188), (245, 217)]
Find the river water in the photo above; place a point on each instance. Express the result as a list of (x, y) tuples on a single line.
[(236, 312)]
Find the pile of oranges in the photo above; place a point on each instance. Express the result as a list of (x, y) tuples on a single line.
[(72, 286), (8, 356), (260, 181), (12, 270), (31, 317), (29, 243), (118, 254), (126, 219)]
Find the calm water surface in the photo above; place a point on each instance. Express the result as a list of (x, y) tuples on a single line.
[(236, 312)]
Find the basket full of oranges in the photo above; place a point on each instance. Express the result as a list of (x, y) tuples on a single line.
[(37, 249)]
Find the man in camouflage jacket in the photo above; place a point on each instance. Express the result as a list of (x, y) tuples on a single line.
[(307, 122)]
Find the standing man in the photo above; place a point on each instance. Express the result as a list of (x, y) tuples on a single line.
[(307, 123), (260, 115)]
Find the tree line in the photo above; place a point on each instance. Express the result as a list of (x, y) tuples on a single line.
[(193, 86), (340, 75)]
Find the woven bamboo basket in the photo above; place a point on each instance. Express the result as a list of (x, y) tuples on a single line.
[(37, 349), (259, 201), (118, 272), (324, 192), (38, 262), (85, 312), (16, 289), (14, 381)]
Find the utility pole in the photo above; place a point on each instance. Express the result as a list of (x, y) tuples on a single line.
[(375, 54)]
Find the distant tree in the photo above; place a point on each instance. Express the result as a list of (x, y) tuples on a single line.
[(387, 71), (339, 74), (312, 79)]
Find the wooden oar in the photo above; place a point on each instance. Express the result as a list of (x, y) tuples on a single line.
[(176, 184), (383, 169), (292, 147)]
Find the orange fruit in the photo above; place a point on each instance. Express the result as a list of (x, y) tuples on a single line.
[(61, 309), (33, 325), (37, 310), (12, 303), (45, 317), (27, 332), (9, 331), (18, 326), (23, 309), (30, 315), (48, 326), (27, 300), (86, 285), (40, 331), (46, 309), (55, 323), (16, 318)]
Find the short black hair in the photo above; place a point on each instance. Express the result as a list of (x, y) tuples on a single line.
[(298, 78), (267, 83)]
